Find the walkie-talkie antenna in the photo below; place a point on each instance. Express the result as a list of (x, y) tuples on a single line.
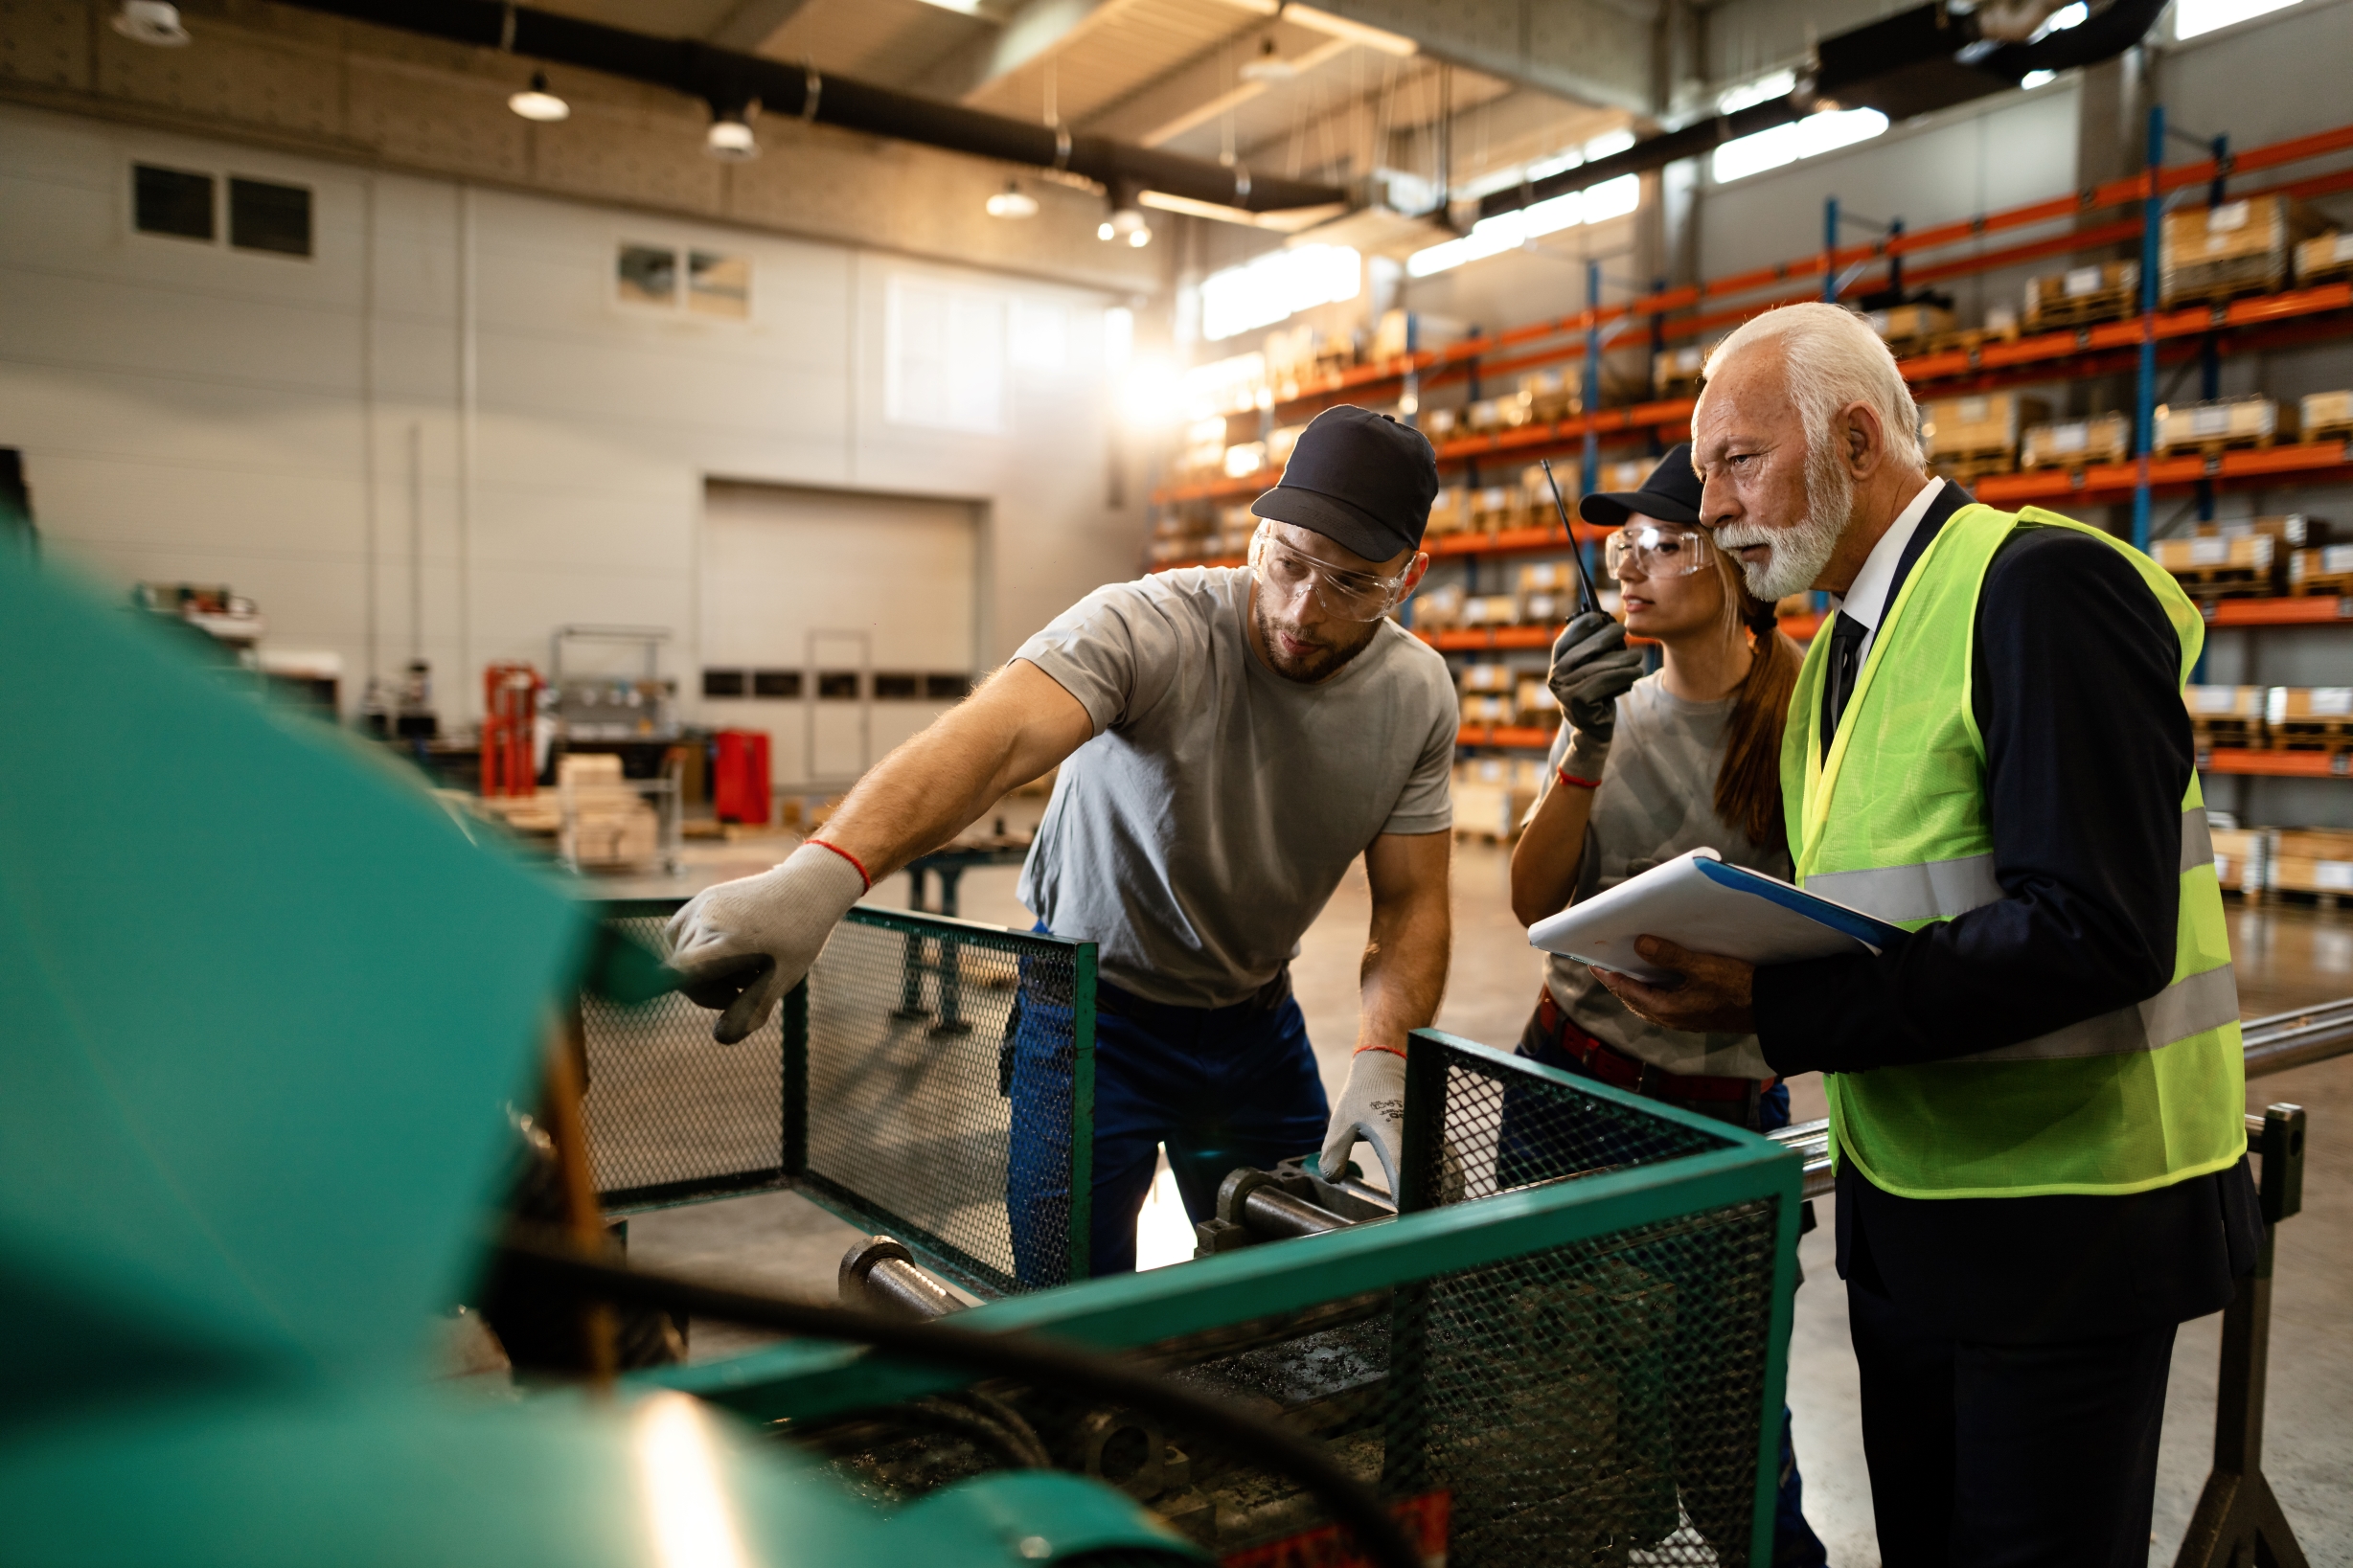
[(1586, 598)]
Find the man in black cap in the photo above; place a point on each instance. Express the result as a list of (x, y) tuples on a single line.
[(1231, 739)]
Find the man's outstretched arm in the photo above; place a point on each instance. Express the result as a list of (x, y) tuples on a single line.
[(1401, 980), (747, 942)]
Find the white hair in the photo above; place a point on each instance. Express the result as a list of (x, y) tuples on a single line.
[(1832, 358)]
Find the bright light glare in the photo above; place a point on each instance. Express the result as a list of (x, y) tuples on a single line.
[(2060, 20), (1150, 395), (1261, 292), (1224, 386), (1163, 1232), (1762, 90), (2191, 17), (2038, 78), (1118, 336), (1816, 133), (1510, 231), (679, 1469), (1607, 143)]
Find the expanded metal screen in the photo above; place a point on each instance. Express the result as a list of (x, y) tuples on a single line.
[(933, 1078), (1572, 1344)]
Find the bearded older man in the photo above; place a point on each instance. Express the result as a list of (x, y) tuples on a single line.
[(2036, 1096)]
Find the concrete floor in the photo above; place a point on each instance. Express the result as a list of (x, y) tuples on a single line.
[(2288, 957)]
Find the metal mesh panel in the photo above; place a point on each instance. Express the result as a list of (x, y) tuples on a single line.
[(1574, 1397), (672, 1114), (933, 1078), (943, 1066)]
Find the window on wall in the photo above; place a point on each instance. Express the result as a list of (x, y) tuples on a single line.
[(2191, 17), (944, 357), (776, 683), (266, 216), (696, 283), (172, 201), (1260, 292)]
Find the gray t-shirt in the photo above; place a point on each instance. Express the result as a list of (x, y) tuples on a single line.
[(1656, 801), (1202, 830)]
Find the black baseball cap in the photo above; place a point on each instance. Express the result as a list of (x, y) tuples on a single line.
[(1359, 479), (1671, 495)]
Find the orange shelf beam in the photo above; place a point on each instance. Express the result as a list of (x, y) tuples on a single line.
[(2107, 482), (2317, 609), (1523, 738), (2280, 764)]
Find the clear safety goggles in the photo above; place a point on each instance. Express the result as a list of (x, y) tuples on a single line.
[(1286, 573), (1652, 550)]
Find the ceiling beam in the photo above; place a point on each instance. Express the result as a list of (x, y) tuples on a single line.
[(1206, 85), (1598, 52), (753, 23), (1031, 30)]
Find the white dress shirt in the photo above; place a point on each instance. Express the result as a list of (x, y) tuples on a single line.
[(1866, 598)]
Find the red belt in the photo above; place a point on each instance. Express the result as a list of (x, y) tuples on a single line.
[(1612, 1065)]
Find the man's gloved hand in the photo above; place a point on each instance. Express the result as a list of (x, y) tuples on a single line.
[(743, 944), (1373, 1107), (1591, 669)]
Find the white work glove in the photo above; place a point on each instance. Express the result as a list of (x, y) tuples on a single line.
[(1591, 669), (1372, 1107), (742, 944)]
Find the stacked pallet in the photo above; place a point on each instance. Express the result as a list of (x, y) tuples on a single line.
[(2309, 717), (1908, 327), (2324, 257), (2325, 415), (608, 826), (1675, 373), (2223, 424), (2316, 860), (2240, 247), (2079, 297), (2241, 858), (1492, 795), (2075, 444), (2216, 568), (1969, 437), (2229, 716), (2328, 570)]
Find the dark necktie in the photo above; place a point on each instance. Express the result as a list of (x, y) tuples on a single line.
[(1846, 635)]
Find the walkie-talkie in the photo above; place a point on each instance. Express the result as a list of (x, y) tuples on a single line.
[(1586, 598)]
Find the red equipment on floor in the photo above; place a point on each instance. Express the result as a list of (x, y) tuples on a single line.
[(740, 784), (510, 711)]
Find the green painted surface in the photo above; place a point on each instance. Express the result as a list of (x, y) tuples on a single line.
[(264, 1002)]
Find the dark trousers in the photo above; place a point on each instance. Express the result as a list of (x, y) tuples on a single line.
[(1220, 1087), (2008, 1456)]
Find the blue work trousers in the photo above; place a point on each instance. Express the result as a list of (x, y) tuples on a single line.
[(1220, 1087)]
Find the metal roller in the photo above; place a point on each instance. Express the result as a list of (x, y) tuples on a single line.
[(882, 1274), (1252, 1199)]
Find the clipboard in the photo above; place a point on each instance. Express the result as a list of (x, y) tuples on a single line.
[(1709, 907)]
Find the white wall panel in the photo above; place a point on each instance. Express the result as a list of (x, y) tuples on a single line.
[(193, 411)]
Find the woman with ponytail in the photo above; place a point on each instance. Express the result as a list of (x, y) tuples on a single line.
[(1648, 767)]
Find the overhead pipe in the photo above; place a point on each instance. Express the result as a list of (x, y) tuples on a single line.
[(731, 82), (2109, 32)]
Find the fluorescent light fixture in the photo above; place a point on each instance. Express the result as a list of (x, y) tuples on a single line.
[(1807, 138), (2038, 78), (150, 22), (1511, 231), (1127, 223), (730, 138), (1609, 142), (537, 104), (2191, 17), (1012, 202), (1280, 283), (2060, 20)]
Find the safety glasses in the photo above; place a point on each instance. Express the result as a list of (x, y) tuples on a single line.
[(1286, 573), (1651, 550)]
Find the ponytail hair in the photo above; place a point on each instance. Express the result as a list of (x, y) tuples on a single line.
[(1749, 782)]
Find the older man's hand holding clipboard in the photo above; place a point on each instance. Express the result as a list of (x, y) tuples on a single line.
[(1681, 943)]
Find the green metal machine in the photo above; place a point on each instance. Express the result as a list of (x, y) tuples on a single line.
[(264, 1007)]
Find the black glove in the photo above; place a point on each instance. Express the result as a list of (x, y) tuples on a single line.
[(1591, 669)]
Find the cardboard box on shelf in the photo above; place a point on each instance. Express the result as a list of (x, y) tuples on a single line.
[(2309, 717), (1522, 773), (1909, 323), (2220, 568), (2103, 291), (2324, 257), (1438, 610), (1490, 811), (2293, 529), (1540, 609), (1439, 425), (1498, 507), (2328, 570), (2075, 444), (2226, 716), (2239, 858), (1536, 703), (1552, 394), (1448, 514), (1487, 677), (2240, 247), (1548, 576), (1983, 425), (2309, 860), (1626, 475), (1491, 610), (2323, 414), (1486, 708), (1678, 370), (2228, 421)]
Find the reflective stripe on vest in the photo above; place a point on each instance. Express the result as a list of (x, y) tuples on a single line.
[(1892, 821)]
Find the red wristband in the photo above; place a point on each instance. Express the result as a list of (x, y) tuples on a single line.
[(1377, 1046), (1571, 780), (857, 864)]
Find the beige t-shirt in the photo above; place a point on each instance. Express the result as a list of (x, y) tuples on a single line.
[(1656, 801), (1202, 830)]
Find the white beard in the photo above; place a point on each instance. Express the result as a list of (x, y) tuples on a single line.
[(1800, 551)]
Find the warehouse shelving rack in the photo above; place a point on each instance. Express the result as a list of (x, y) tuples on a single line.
[(2152, 338)]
